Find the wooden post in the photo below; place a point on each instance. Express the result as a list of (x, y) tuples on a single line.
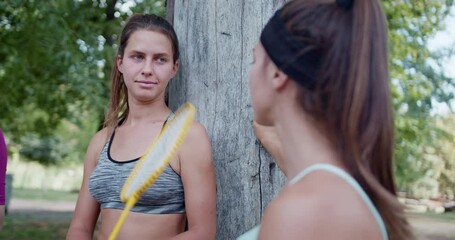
[(216, 40)]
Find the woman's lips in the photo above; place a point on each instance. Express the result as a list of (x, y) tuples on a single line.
[(146, 84)]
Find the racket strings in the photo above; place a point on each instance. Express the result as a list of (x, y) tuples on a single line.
[(156, 158)]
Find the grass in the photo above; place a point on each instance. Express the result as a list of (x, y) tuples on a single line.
[(18, 228), (37, 224), (54, 225), (433, 225), (449, 216), (30, 226), (36, 194)]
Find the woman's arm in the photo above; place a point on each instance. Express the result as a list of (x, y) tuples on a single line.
[(87, 208), (198, 177)]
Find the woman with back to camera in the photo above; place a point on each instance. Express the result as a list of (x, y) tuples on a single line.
[(147, 59), (320, 91)]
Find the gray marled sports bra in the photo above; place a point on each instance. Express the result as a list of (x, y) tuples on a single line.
[(165, 196)]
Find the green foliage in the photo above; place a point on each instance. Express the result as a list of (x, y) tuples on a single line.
[(55, 60), (418, 81), (443, 154), (47, 150), (48, 63)]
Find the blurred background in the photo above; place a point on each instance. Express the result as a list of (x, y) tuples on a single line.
[(55, 60)]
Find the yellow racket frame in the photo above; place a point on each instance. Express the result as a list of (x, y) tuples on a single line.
[(188, 111)]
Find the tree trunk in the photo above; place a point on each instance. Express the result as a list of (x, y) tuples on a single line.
[(216, 42)]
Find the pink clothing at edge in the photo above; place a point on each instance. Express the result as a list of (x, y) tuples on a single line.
[(3, 158)]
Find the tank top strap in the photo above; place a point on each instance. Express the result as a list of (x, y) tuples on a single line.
[(351, 181)]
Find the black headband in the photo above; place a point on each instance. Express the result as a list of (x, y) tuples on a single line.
[(287, 53), (346, 4)]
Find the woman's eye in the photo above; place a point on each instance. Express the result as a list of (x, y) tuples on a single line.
[(161, 60), (137, 57)]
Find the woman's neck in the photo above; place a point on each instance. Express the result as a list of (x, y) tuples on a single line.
[(140, 112), (302, 142)]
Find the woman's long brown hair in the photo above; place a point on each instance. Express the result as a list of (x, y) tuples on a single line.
[(118, 107), (351, 98)]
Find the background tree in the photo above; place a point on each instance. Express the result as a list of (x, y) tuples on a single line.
[(55, 60), (418, 81), (217, 39)]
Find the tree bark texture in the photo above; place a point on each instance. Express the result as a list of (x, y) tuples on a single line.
[(216, 43)]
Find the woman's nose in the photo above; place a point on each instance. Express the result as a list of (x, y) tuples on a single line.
[(146, 73)]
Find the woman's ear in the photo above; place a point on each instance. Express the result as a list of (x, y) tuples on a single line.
[(280, 79), (175, 68), (119, 62)]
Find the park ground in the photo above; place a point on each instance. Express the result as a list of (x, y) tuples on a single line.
[(46, 215)]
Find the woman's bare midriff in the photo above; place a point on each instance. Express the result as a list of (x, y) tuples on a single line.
[(141, 225)]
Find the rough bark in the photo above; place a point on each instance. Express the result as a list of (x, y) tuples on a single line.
[(216, 40)]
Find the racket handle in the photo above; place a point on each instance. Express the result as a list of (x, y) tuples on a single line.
[(129, 204)]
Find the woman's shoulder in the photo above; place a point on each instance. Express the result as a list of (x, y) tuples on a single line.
[(100, 137), (197, 130), (97, 142), (196, 144), (197, 135), (297, 203), (311, 208)]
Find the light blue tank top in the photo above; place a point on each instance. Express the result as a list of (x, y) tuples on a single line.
[(253, 234)]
